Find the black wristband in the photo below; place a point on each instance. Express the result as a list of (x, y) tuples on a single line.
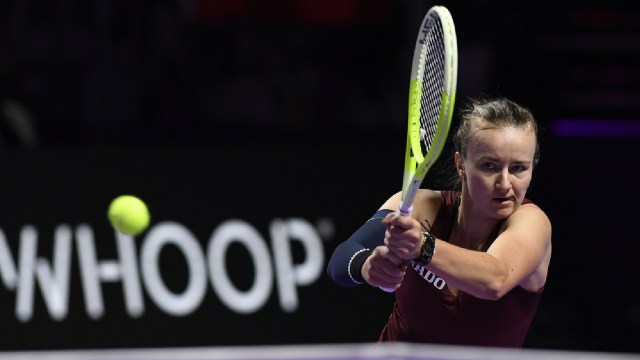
[(355, 265), (428, 249)]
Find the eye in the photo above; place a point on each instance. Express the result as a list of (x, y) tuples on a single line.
[(519, 168), (488, 166)]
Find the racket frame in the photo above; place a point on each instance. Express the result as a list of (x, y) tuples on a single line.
[(417, 165)]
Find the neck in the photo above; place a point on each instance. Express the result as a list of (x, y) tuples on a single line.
[(470, 230)]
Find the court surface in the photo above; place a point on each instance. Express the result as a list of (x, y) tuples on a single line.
[(396, 351)]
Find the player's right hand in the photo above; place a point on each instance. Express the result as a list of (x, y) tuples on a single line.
[(384, 269), (403, 236)]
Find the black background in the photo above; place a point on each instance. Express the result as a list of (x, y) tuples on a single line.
[(189, 103)]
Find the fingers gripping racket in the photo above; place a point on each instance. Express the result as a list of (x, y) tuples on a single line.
[(432, 93)]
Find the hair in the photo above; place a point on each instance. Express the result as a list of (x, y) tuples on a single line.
[(490, 113)]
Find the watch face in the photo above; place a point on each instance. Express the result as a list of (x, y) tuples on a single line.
[(426, 252)]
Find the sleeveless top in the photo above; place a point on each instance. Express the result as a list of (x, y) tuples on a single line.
[(426, 311)]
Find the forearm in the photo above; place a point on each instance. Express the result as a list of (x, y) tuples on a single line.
[(344, 264), (474, 272), (347, 259)]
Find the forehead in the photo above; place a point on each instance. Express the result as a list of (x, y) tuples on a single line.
[(518, 142)]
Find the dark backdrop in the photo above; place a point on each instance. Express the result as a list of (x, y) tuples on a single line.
[(167, 98)]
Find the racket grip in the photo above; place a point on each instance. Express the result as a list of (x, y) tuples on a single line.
[(404, 210)]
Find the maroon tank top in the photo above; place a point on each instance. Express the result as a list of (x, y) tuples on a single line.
[(427, 312)]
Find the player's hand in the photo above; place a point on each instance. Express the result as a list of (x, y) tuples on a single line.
[(384, 269), (403, 236)]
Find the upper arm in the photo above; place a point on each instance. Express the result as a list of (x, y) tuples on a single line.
[(524, 248), (425, 205)]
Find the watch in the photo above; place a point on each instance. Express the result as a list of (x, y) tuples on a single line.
[(428, 249)]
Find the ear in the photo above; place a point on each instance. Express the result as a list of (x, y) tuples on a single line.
[(459, 163)]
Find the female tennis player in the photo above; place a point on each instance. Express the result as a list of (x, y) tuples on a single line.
[(468, 265)]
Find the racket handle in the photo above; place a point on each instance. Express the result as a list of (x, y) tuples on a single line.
[(402, 211), (405, 210)]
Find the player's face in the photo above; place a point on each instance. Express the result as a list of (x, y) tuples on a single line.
[(498, 169)]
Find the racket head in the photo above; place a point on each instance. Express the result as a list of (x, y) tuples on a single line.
[(432, 93)]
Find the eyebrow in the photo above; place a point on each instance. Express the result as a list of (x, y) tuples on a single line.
[(495, 159)]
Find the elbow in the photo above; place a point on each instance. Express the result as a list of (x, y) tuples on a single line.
[(335, 275), (494, 293), (343, 281), (496, 289)]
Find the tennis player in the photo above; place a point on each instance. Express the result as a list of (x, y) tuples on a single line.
[(470, 264)]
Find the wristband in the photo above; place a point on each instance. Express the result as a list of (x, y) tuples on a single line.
[(354, 268), (427, 250)]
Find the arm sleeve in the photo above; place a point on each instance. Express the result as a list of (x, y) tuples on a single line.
[(348, 257)]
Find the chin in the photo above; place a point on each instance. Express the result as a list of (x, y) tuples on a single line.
[(505, 212)]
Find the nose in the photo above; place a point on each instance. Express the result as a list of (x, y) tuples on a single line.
[(504, 181)]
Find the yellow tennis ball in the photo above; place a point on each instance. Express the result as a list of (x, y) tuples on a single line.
[(129, 215)]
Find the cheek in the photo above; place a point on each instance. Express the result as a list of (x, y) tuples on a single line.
[(522, 185), (478, 184)]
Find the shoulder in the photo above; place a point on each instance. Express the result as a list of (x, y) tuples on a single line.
[(427, 205), (429, 196), (530, 218), (530, 210), (425, 199)]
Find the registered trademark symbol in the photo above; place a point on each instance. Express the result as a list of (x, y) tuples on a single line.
[(326, 228)]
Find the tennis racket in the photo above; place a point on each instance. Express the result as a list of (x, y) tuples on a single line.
[(432, 93)]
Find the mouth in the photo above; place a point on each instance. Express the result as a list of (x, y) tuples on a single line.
[(504, 200)]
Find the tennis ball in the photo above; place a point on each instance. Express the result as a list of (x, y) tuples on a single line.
[(129, 215)]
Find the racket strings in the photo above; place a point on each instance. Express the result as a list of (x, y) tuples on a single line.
[(433, 84)]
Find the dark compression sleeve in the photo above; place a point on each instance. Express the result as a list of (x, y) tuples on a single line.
[(347, 259)]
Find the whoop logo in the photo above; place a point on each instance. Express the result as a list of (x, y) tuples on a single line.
[(142, 271)]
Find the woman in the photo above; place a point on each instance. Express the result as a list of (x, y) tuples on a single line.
[(469, 265)]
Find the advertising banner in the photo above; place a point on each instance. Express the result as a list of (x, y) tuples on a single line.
[(236, 252)]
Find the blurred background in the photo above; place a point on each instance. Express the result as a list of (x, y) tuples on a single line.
[(268, 110)]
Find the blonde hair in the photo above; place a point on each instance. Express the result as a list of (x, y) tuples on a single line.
[(494, 113), (491, 113)]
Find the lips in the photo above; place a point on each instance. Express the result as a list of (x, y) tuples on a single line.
[(503, 200)]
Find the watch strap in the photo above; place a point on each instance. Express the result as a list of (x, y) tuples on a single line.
[(427, 250)]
